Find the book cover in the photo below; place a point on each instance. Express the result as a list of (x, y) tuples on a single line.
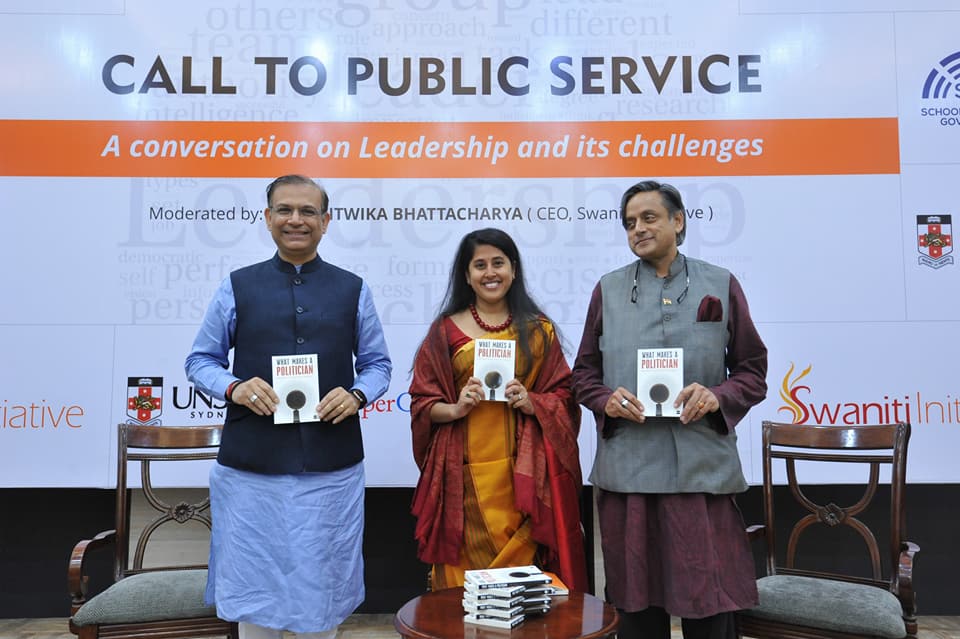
[(505, 577), (659, 380), (535, 602), (556, 587), (493, 622), (491, 602), (493, 612), (508, 592), (535, 611), (493, 365), (296, 382), (543, 591)]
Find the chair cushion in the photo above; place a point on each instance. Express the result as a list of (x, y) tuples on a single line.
[(149, 596), (829, 605)]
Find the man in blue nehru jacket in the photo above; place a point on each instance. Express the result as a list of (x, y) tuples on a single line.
[(287, 499)]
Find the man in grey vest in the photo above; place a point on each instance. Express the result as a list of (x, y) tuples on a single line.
[(287, 491), (673, 538)]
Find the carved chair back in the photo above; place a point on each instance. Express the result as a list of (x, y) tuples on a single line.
[(151, 446), (874, 447)]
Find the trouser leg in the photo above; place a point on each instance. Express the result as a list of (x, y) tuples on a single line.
[(721, 626), (652, 623), (253, 631)]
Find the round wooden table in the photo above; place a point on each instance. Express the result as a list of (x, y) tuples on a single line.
[(439, 615)]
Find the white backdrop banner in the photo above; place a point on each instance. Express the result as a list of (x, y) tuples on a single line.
[(136, 141)]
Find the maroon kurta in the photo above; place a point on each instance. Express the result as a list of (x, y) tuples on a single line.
[(687, 553), (547, 475)]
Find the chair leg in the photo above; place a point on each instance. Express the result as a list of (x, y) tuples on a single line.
[(89, 632), (911, 625)]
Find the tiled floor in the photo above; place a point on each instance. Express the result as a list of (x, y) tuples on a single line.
[(381, 627)]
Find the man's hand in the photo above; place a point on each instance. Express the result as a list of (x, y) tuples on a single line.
[(698, 400), (337, 405), (257, 395), (624, 405)]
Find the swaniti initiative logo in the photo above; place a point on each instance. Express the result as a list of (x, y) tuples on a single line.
[(914, 407)]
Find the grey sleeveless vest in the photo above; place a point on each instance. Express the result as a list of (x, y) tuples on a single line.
[(662, 455)]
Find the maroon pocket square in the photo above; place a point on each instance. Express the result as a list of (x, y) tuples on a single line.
[(711, 310)]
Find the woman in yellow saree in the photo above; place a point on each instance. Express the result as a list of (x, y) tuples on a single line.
[(499, 480)]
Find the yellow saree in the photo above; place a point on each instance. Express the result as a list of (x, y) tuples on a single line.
[(495, 534)]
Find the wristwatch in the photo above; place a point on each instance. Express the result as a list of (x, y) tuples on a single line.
[(356, 392)]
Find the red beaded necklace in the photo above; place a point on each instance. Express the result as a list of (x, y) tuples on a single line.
[(487, 327)]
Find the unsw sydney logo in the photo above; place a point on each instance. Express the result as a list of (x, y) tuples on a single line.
[(913, 408), (145, 402)]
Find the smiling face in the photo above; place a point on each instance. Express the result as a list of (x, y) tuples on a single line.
[(651, 230), (490, 275), (297, 221)]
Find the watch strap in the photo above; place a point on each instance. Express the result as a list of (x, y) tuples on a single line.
[(356, 392)]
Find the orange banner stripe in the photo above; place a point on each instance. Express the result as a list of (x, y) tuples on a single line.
[(96, 148)]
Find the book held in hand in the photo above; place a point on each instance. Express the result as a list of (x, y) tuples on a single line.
[(659, 380), (297, 384), (493, 365)]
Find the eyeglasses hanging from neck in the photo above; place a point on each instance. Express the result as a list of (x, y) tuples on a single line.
[(666, 301)]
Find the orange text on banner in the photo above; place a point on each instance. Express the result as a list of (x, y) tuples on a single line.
[(96, 148)]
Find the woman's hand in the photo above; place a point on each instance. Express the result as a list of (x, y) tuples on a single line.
[(518, 397), (470, 395)]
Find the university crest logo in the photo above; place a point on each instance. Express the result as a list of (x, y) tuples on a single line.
[(144, 400), (935, 240)]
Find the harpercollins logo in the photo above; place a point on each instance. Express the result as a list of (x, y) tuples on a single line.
[(941, 92)]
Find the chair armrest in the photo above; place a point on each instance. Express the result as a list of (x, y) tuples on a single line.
[(903, 586), (77, 579), (903, 583), (756, 531)]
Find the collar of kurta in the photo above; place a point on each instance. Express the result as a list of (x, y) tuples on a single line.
[(647, 271)]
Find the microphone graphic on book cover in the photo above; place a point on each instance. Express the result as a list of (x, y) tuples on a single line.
[(659, 393), (296, 400), (493, 380)]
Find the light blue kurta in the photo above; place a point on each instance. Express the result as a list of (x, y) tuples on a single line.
[(285, 551)]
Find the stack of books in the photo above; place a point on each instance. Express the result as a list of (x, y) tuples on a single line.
[(504, 597)]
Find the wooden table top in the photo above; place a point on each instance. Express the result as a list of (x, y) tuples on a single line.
[(439, 615)]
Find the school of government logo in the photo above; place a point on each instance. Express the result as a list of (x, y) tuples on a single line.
[(941, 92)]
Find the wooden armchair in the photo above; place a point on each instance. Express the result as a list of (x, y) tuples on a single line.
[(164, 601), (797, 601)]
